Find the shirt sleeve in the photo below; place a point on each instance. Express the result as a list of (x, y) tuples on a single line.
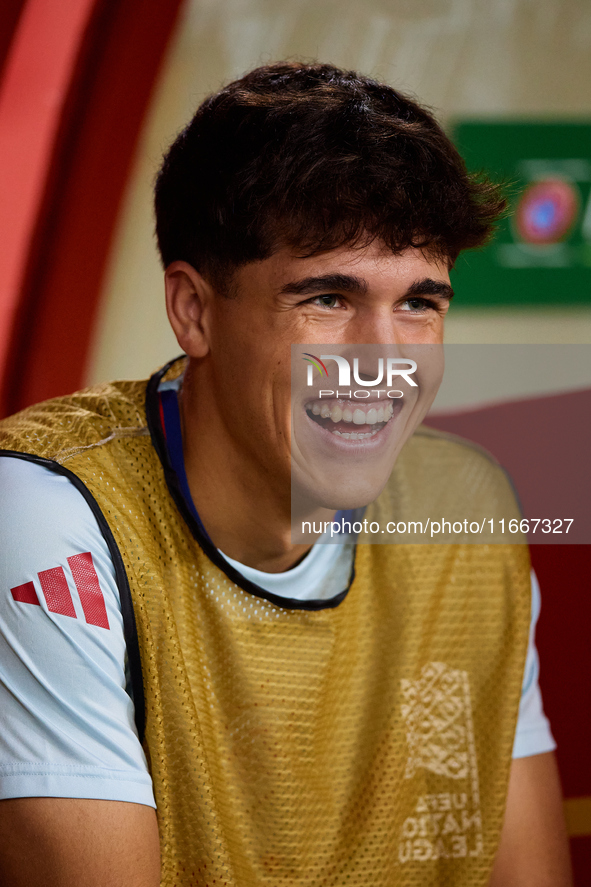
[(533, 735), (67, 725)]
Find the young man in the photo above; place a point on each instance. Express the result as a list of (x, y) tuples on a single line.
[(309, 716)]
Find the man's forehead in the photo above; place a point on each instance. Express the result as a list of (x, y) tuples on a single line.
[(345, 269)]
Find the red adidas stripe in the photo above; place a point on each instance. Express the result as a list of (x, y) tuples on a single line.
[(56, 591), (25, 594), (89, 589)]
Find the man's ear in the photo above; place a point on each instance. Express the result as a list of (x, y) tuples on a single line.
[(188, 304)]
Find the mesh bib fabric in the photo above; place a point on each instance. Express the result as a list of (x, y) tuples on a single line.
[(366, 744)]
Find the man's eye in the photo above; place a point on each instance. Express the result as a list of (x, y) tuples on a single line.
[(327, 301), (416, 304)]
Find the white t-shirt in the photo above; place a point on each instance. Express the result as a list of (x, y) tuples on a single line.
[(67, 727)]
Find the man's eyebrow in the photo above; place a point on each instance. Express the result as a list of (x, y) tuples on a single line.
[(429, 287), (347, 283), (310, 286)]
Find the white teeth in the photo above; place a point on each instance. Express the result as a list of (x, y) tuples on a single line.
[(354, 435), (355, 415)]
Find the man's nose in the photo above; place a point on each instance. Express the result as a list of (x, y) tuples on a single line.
[(373, 328)]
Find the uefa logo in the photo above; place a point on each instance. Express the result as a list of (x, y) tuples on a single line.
[(547, 211)]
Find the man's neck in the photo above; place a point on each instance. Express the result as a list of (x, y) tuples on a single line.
[(246, 513)]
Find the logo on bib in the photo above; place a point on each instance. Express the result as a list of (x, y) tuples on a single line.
[(437, 713)]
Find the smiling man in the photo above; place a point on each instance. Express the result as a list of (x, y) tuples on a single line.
[(190, 696)]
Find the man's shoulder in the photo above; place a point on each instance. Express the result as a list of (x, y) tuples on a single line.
[(439, 476), (55, 427), (429, 441), (438, 454)]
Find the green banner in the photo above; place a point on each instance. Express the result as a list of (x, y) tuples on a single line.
[(541, 254)]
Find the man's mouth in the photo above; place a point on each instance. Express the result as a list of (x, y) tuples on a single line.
[(353, 421)]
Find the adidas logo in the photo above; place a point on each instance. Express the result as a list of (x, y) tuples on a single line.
[(58, 597)]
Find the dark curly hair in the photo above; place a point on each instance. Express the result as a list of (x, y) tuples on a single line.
[(312, 157)]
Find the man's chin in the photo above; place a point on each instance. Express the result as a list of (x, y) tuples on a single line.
[(346, 470), (337, 490)]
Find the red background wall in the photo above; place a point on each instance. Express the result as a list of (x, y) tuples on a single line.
[(93, 63)]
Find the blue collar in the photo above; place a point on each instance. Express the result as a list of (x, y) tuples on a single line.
[(171, 425)]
